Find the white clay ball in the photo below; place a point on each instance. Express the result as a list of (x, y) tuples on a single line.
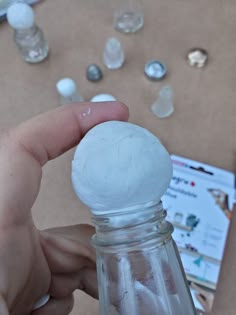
[(103, 98), (66, 87), (20, 16), (119, 165)]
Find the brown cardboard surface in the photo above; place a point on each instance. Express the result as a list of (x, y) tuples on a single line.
[(202, 126)]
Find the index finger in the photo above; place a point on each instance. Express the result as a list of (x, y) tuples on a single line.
[(24, 149), (49, 135)]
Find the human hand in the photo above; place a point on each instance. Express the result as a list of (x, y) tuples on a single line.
[(221, 199), (55, 261), (204, 297)]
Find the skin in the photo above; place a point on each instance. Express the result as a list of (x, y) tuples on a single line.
[(56, 261), (221, 199), (204, 297)]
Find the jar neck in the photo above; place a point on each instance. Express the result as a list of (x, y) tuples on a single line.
[(138, 225)]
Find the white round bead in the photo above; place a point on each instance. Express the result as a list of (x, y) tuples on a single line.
[(20, 16), (66, 87), (103, 98)]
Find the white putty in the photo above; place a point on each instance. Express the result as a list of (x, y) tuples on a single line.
[(126, 288), (120, 166), (148, 299)]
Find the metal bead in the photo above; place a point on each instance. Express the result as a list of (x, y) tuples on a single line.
[(94, 73), (197, 57), (155, 70)]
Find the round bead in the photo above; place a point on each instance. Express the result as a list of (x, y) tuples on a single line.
[(197, 57), (41, 302), (103, 98), (155, 70), (66, 87), (94, 73), (20, 16)]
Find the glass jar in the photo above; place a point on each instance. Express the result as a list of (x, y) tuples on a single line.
[(138, 265), (32, 44), (128, 16)]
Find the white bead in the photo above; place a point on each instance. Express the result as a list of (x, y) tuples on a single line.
[(113, 56), (103, 98), (41, 302), (20, 16), (66, 87)]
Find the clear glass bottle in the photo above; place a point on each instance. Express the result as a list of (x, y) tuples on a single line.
[(138, 264), (163, 107), (128, 16), (32, 44), (113, 55), (28, 37)]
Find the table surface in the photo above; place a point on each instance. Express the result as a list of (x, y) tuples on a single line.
[(202, 126)]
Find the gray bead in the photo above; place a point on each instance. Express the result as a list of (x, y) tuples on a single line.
[(155, 70), (94, 73)]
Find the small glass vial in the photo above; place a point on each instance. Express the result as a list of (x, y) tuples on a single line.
[(28, 37), (128, 16), (113, 56), (163, 106), (68, 91), (138, 265)]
